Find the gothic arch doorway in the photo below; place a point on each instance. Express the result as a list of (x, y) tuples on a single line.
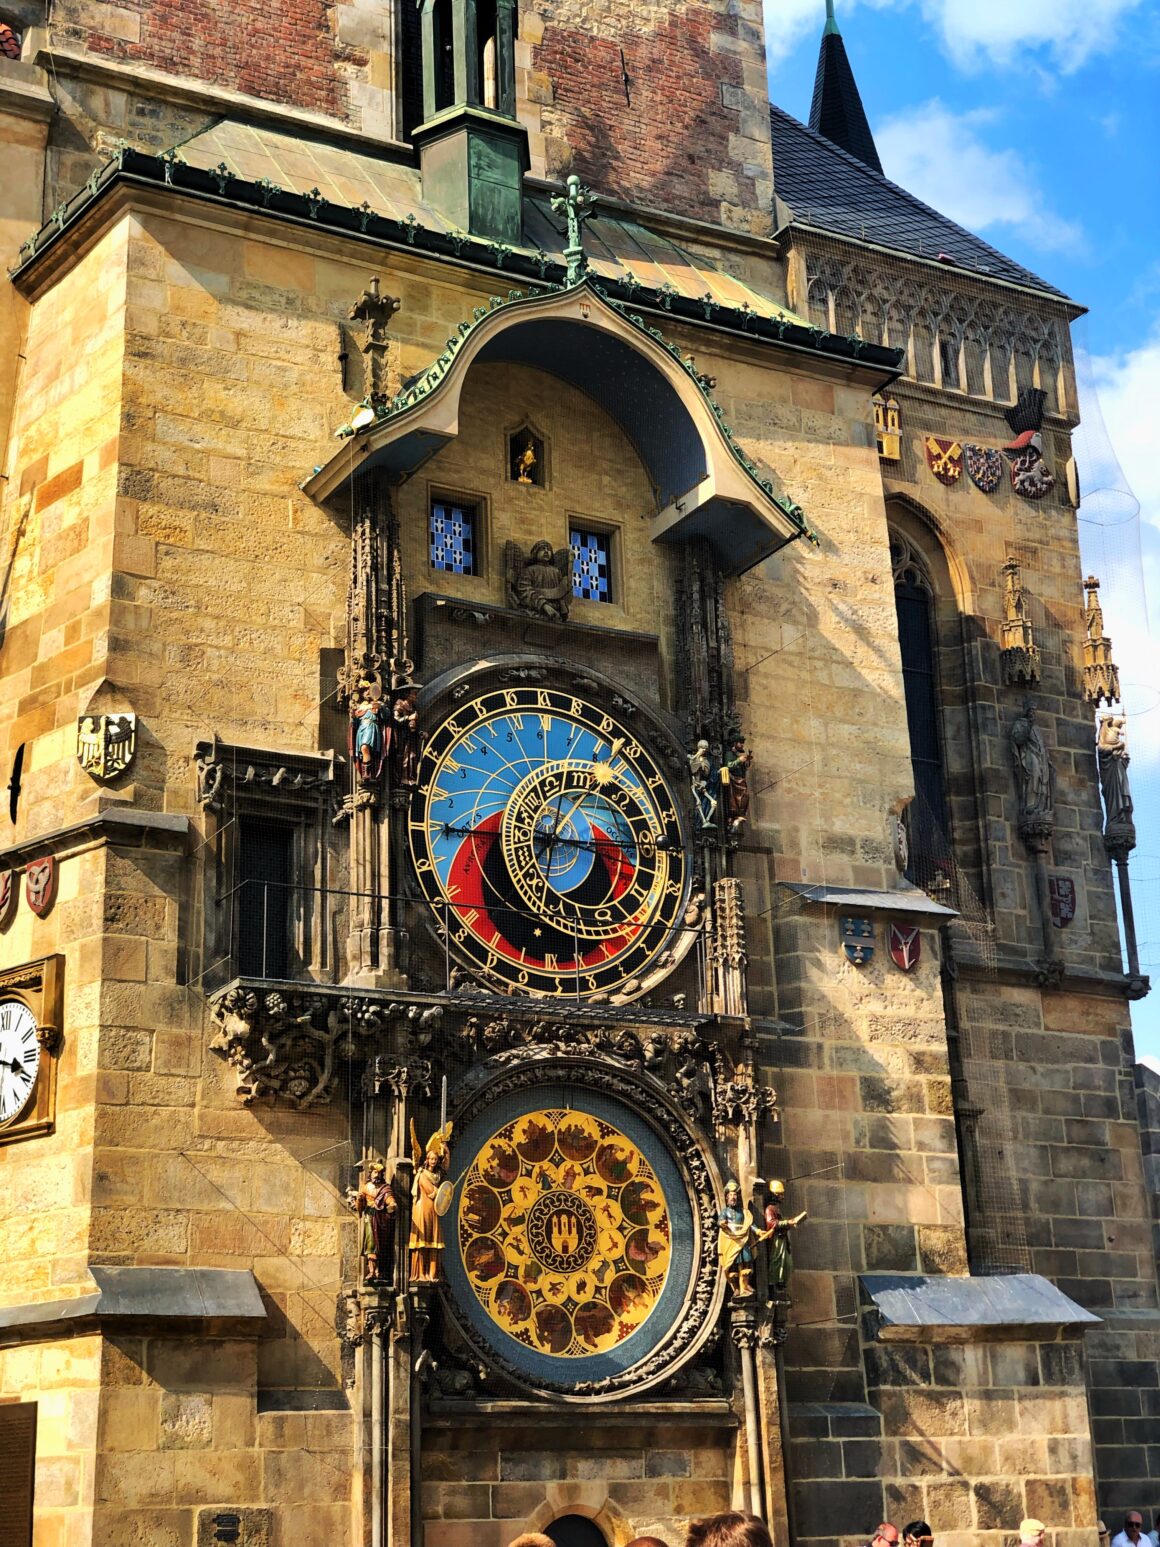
[(575, 1531)]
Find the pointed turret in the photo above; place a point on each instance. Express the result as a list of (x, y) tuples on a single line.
[(837, 110)]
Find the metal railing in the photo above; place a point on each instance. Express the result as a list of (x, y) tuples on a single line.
[(286, 932)]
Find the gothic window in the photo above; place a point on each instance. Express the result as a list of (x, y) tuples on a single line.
[(975, 361), (1001, 368), (924, 336), (17, 1468), (454, 532), (819, 304), (949, 353), (411, 67), (591, 565), (1024, 365), (845, 313), (914, 597), (265, 874), (526, 463)]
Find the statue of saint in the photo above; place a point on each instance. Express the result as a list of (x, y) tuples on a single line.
[(701, 778), (526, 464), (375, 1206), (542, 583), (1032, 769), (430, 1200), (408, 743), (735, 784), (736, 1239), (1113, 758)]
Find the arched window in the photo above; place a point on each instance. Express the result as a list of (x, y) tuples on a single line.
[(930, 852), (819, 304), (576, 1531), (410, 68)]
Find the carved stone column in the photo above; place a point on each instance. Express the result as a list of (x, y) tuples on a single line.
[(745, 1330), (728, 956), (376, 662)]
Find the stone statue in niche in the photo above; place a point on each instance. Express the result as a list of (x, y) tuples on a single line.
[(430, 1200), (1033, 771), (375, 1205), (1113, 758), (735, 786), (406, 738), (702, 778), (540, 584), (526, 464)]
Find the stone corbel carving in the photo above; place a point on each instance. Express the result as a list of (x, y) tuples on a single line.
[(374, 310), (292, 1050)]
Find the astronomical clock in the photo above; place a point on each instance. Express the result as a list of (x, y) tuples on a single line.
[(550, 847)]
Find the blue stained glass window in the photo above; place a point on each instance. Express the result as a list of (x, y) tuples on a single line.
[(591, 565), (453, 537)]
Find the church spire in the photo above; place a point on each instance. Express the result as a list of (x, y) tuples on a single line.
[(837, 111)]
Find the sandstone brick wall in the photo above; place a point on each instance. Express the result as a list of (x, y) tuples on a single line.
[(482, 1487)]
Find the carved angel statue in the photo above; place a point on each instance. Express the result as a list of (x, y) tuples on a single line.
[(430, 1201), (541, 583)]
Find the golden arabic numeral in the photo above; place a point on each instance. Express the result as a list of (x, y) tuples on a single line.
[(459, 936), (523, 977), (593, 983), (633, 750), (452, 728), (424, 866), (492, 961), (511, 699), (672, 889), (577, 708), (607, 725), (543, 699)]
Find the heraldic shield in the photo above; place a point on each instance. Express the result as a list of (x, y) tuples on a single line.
[(945, 459), (106, 744), (905, 946), (1062, 893), (858, 940), (40, 884), (985, 466)]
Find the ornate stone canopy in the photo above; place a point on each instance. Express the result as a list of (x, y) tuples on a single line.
[(706, 486)]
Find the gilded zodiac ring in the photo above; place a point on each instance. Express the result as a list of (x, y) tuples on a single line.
[(564, 1233)]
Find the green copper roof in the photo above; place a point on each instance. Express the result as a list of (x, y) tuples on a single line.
[(831, 29)]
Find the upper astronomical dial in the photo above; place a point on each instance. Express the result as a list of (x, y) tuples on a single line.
[(548, 843)]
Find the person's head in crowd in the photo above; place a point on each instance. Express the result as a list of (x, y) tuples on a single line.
[(647, 1541), (732, 1529), (533, 1539), (917, 1534), (1032, 1532), (1102, 1531), (1134, 1525), (885, 1536)]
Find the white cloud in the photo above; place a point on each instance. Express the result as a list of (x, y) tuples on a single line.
[(1027, 34), (1128, 389), (941, 157)]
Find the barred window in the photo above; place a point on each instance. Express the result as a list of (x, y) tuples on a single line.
[(453, 533), (591, 565)]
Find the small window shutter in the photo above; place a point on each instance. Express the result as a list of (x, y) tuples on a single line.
[(17, 1468)]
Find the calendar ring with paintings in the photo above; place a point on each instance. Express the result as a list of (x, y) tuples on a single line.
[(549, 845), (575, 1244)]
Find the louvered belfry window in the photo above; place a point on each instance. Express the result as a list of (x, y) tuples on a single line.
[(18, 1470)]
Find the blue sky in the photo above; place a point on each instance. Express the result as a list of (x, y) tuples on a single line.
[(1037, 124)]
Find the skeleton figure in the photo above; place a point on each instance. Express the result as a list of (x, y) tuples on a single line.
[(701, 777)]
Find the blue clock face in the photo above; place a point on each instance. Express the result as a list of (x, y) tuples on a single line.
[(548, 844)]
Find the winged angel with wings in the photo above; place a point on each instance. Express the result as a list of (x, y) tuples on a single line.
[(542, 583)]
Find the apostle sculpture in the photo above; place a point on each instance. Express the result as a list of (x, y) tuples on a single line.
[(430, 1200)]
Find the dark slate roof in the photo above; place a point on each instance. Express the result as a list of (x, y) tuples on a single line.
[(837, 110), (829, 189)]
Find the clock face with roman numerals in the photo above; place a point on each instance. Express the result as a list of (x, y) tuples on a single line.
[(19, 1058), (548, 843)]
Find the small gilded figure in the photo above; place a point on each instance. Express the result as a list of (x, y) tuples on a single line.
[(778, 1235), (430, 1200), (526, 464), (408, 743), (736, 1239), (369, 734), (702, 779), (375, 1205), (735, 785)]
